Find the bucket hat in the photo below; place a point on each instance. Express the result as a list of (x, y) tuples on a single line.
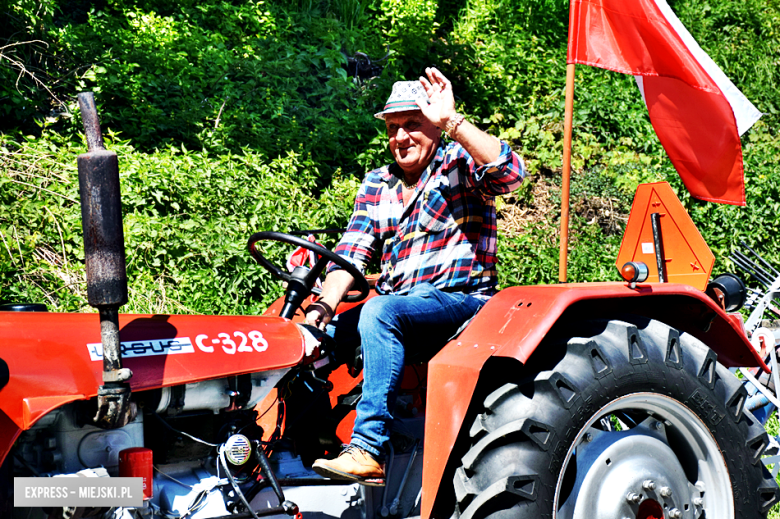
[(403, 98)]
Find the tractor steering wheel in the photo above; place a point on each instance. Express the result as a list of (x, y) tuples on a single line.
[(300, 283)]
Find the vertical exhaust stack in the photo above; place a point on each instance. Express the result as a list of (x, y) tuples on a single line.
[(104, 254)]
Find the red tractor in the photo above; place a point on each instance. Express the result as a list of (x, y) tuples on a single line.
[(597, 400)]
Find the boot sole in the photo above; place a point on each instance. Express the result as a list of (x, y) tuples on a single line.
[(345, 476)]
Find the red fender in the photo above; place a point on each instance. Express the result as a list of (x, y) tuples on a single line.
[(515, 321)]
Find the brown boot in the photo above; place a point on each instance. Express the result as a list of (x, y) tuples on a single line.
[(353, 464)]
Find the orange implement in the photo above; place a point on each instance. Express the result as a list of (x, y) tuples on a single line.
[(687, 258)]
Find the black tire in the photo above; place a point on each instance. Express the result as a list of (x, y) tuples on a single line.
[(526, 441)]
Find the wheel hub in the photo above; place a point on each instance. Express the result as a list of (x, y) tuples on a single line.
[(618, 472), (639, 471)]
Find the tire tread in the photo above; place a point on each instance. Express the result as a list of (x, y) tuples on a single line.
[(535, 420)]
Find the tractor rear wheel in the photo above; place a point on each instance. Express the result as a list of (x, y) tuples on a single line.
[(634, 420)]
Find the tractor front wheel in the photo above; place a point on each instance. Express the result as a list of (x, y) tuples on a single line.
[(626, 420)]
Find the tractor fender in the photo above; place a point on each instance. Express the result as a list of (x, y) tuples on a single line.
[(56, 358), (516, 320)]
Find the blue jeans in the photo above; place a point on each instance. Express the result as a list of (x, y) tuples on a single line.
[(393, 328)]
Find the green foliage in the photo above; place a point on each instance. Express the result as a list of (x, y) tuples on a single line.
[(409, 26), (214, 75), (187, 216), (27, 63), (528, 259), (224, 76)]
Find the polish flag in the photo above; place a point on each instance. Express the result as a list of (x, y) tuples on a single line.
[(696, 111)]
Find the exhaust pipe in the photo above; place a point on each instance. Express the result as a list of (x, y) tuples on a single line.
[(104, 254)]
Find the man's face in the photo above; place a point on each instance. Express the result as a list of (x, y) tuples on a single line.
[(413, 140)]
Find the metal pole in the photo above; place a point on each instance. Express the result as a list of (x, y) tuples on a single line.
[(567, 130), (658, 241)]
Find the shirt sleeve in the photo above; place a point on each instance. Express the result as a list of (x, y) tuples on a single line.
[(357, 243), (503, 175)]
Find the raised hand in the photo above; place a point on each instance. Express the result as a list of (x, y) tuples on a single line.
[(442, 100)]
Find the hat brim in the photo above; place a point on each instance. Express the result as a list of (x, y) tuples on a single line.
[(406, 107)]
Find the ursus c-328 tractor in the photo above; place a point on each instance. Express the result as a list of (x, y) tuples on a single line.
[(598, 400)]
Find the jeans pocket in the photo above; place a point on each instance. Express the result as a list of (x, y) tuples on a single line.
[(423, 290), (448, 300)]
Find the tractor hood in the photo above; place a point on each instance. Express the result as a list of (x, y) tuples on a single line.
[(56, 358)]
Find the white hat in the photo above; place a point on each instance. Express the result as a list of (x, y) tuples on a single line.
[(403, 98)]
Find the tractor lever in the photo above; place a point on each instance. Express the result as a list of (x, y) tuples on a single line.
[(288, 507)]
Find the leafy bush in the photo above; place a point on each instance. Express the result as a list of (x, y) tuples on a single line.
[(30, 69), (187, 216), (221, 76)]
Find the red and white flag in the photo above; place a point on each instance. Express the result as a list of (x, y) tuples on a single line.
[(696, 111)]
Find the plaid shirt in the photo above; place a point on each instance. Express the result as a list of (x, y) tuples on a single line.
[(446, 235)]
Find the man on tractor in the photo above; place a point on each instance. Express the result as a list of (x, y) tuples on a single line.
[(433, 214)]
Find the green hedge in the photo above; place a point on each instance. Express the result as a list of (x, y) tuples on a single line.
[(187, 218)]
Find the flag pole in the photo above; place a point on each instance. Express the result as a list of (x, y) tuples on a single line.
[(567, 130)]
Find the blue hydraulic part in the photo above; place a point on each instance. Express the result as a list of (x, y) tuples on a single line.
[(758, 404)]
